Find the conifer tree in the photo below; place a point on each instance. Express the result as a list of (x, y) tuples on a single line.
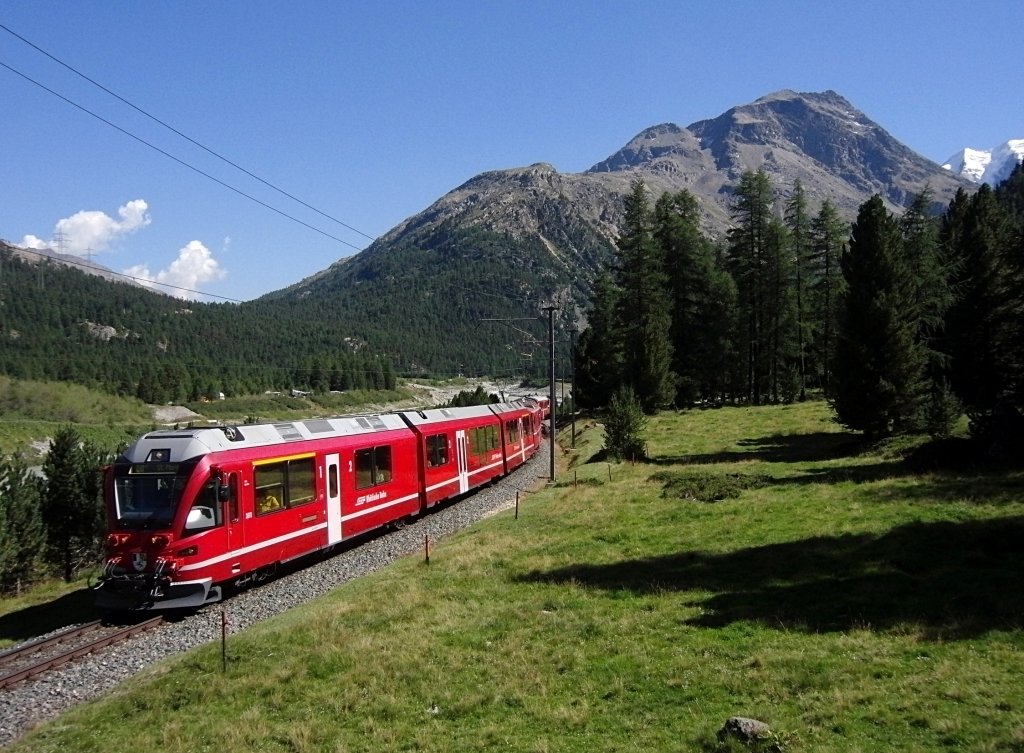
[(974, 233), (798, 222), (759, 270), (643, 309), (689, 263), (21, 524), (71, 505), (624, 425), (829, 234), (598, 364), (780, 317), (922, 254), (879, 360)]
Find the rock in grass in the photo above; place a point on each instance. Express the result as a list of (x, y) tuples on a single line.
[(743, 729)]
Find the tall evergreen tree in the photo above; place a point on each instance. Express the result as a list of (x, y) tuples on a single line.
[(643, 311), (922, 254), (798, 222), (72, 507), (598, 358), (829, 234), (762, 275), (689, 263), (974, 234), (22, 534), (879, 360)]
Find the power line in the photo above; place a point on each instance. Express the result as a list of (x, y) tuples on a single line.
[(176, 159), (142, 281), (182, 135)]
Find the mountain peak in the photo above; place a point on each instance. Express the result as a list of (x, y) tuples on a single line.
[(990, 166)]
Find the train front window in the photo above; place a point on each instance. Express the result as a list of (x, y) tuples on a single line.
[(147, 501)]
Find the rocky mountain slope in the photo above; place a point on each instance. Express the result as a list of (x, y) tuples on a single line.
[(819, 138), (508, 242)]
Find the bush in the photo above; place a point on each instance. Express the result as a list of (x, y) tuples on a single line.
[(624, 423), (701, 486)]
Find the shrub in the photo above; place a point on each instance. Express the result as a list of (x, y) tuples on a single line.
[(624, 423)]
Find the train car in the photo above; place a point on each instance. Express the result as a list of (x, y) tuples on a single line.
[(190, 510), (459, 448), (519, 441)]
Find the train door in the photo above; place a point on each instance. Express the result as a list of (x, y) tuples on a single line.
[(232, 513), (462, 459), (333, 499)]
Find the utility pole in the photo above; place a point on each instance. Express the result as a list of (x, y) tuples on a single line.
[(572, 372), (554, 406), (551, 368)]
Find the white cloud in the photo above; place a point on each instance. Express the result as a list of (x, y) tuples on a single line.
[(90, 231), (194, 267)]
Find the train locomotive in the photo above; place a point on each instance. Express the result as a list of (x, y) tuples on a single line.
[(190, 511)]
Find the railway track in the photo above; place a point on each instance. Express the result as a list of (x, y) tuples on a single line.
[(41, 656)]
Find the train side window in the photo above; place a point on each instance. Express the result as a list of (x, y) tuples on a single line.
[(206, 509), (233, 497), (483, 439), (373, 466), (512, 431), (364, 468), (300, 476), (284, 484), (382, 464), (269, 487), (437, 450), (332, 481)]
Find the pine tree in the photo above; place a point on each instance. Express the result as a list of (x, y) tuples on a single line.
[(690, 266), (71, 503), (21, 524), (798, 223), (879, 361), (829, 234), (758, 266), (974, 235), (922, 254), (643, 310), (624, 425), (598, 358)]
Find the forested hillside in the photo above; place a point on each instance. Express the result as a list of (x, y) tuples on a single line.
[(431, 301), (58, 323)]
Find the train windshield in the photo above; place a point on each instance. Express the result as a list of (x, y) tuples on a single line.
[(146, 500)]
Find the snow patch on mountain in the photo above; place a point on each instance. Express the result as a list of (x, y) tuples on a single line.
[(990, 166)]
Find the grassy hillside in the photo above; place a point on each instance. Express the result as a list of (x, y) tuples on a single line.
[(765, 564), (31, 411)]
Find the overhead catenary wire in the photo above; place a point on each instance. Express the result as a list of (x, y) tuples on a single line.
[(180, 161), (171, 128), (141, 281)]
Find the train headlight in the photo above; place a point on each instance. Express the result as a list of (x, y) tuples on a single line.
[(114, 540)]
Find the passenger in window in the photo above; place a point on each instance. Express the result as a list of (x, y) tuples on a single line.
[(269, 502)]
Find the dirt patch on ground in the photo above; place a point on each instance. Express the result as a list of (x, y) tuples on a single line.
[(173, 414)]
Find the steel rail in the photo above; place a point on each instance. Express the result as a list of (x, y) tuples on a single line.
[(52, 662)]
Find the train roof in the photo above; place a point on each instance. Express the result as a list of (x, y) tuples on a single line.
[(437, 415), (184, 444)]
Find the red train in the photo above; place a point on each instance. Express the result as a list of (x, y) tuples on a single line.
[(192, 510)]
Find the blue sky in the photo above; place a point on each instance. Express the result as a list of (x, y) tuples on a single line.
[(370, 111)]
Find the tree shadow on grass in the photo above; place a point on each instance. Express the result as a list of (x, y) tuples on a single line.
[(949, 580), (70, 609), (779, 448)]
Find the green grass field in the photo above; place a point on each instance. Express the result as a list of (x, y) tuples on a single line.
[(763, 564)]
